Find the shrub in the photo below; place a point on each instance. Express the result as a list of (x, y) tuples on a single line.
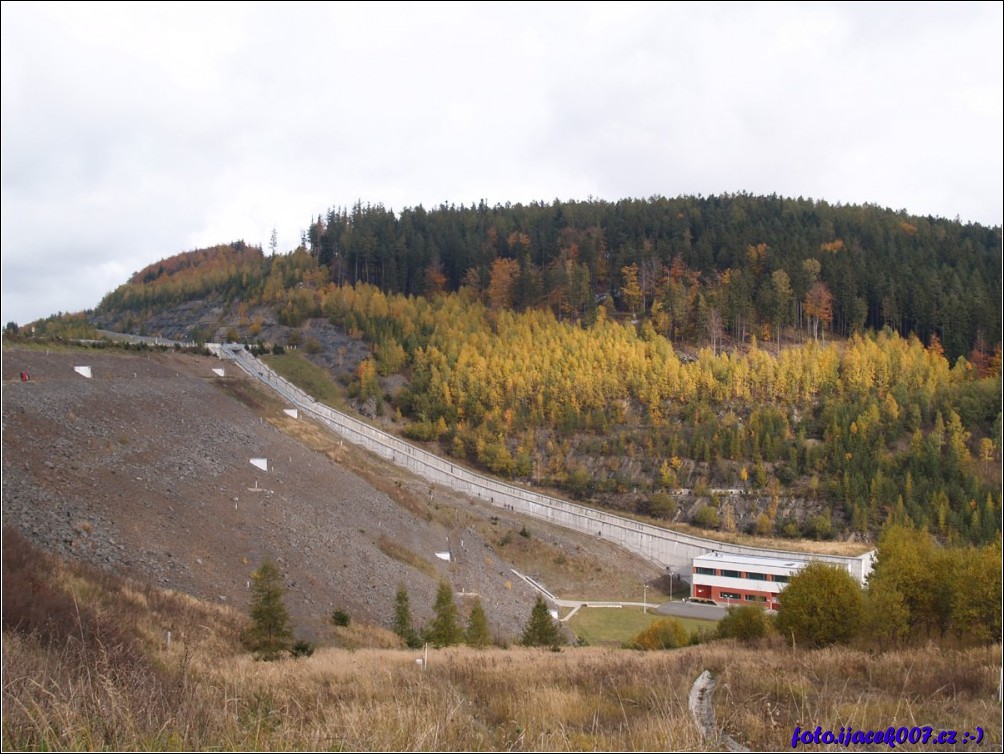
[(819, 527), (495, 456), (666, 633), (341, 618), (821, 605), (746, 623), (764, 525), (302, 648), (580, 482), (422, 431), (661, 505), (707, 517), (790, 529)]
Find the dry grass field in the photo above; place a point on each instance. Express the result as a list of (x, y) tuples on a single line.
[(87, 665)]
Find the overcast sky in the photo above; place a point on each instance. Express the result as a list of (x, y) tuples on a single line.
[(133, 132)]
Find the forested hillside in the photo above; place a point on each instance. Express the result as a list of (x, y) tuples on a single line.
[(703, 268), (707, 263), (709, 361)]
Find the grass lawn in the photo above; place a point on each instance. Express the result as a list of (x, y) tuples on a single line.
[(612, 626), (309, 377)]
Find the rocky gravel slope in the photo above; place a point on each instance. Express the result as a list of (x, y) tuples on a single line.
[(144, 469)]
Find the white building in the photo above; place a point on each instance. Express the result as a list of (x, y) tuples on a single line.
[(730, 579)]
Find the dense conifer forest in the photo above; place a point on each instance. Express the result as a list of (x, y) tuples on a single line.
[(861, 266)]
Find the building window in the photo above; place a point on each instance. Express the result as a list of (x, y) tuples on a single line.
[(731, 574), (757, 576), (781, 579), (705, 571), (730, 596), (755, 598)]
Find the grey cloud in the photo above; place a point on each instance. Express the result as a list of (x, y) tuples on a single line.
[(132, 132)]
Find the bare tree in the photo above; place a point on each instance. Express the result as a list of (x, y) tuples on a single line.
[(713, 328)]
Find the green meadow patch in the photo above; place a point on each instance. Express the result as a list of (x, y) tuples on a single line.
[(612, 626)]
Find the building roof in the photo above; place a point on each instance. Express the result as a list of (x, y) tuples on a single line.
[(728, 558)]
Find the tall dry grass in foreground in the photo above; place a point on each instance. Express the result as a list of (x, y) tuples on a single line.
[(367, 699), (498, 700), (762, 696), (583, 699), (93, 671)]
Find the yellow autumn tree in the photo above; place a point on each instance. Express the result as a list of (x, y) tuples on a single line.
[(631, 290), (504, 272)]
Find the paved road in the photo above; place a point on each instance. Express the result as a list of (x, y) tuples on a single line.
[(691, 610)]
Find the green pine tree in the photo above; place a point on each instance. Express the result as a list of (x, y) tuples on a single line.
[(541, 630), (403, 626), (269, 635), (477, 628), (445, 629)]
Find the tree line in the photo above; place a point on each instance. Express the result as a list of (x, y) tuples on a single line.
[(745, 264), (700, 269), (269, 634)]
